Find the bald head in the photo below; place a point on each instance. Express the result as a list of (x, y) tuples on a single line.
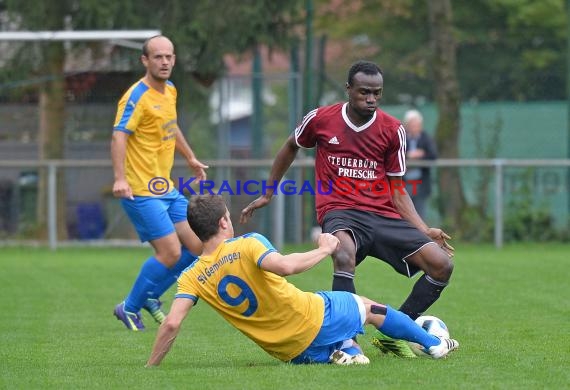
[(157, 40)]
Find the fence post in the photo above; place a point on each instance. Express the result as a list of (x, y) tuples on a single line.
[(52, 205), (278, 218), (498, 164)]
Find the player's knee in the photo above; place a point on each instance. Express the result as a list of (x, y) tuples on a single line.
[(170, 256), (171, 324), (344, 261), (449, 267), (175, 254), (443, 270), (375, 314)]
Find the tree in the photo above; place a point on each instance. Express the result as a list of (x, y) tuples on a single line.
[(506, 50), (511, 50), (448, 102), (48, 64)]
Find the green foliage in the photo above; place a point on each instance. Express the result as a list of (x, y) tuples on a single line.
[(533, 33), (475, 226), (203, 31), (506, 49), (276, 127), (57, 330), (525, 221)]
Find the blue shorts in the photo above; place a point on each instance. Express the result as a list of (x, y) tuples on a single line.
[(344, 319), (154, 216)]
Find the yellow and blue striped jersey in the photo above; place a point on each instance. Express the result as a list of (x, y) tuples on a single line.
[(275, 314), (149, 117)]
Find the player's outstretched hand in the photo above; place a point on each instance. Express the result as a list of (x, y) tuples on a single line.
[(258, 203), (441, 237), (328, 242)]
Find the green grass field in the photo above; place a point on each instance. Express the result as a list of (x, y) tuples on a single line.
[(508, 308)]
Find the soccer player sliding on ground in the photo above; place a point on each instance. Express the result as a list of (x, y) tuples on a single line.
[(242, 278)]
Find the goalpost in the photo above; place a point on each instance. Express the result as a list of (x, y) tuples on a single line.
[(71, 35), (117, 37)]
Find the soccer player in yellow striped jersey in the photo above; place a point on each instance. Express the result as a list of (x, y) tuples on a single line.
[(149, 118), (145, 135), (231, 280), (242, 279)]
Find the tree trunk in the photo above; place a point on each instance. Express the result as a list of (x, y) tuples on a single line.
[(452, 200), (51, 137)]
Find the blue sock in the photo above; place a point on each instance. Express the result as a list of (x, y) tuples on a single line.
[(152, 274), (186, 258), (399, 326)]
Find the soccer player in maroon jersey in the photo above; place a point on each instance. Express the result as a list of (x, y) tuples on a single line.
[(360, 159)]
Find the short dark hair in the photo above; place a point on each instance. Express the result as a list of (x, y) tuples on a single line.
[(366, 67), (204, 212)]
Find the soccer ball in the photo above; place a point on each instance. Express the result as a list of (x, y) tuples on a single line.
[(432, 325)]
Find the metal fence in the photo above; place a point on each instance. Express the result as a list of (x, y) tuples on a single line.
[(287, 219)]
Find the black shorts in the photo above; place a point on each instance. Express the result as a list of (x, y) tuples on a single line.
[(388, 239)]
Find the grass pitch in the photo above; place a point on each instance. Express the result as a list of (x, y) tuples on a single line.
[(508, 308)]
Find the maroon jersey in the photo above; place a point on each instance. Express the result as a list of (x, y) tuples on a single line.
[(353, 162)]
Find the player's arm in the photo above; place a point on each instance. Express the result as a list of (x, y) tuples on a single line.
[(185, 150), (404, 204), (295, 263), (121, 188), (406, 209), (282, 162), (169, 330)]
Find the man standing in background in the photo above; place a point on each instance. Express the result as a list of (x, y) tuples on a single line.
[(145, 135), (420, 146)]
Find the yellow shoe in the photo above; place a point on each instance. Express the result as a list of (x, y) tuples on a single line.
[(388, 345)]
